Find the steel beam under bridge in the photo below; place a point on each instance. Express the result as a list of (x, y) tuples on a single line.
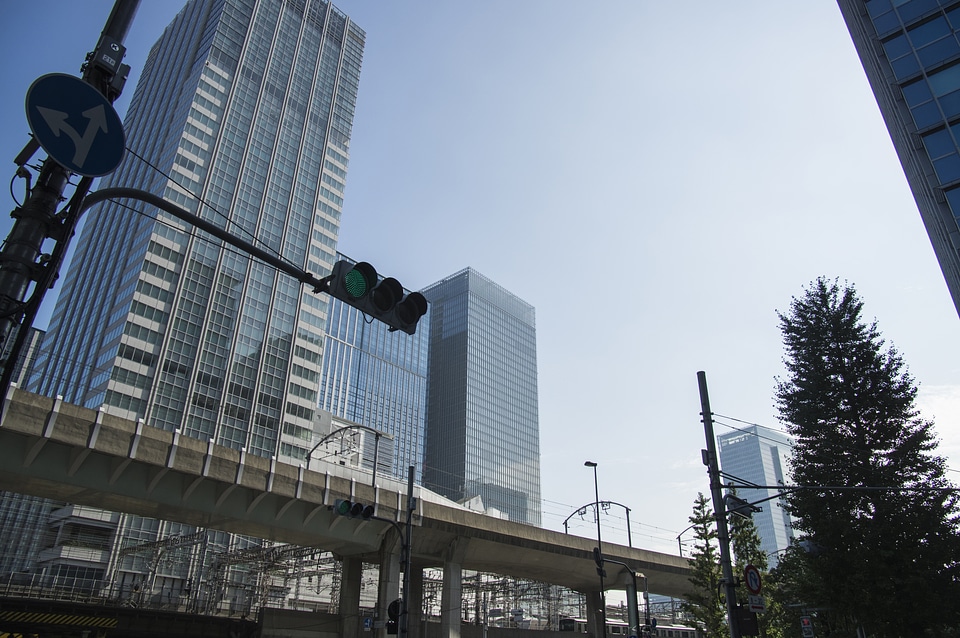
[(61, 451)]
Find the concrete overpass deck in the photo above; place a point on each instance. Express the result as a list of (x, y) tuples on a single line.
[(56, 450)]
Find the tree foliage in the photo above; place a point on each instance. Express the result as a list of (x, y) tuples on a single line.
[(704, 603), (881, 519), (791, 583)]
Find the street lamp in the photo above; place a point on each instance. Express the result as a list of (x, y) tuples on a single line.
[(599, 554)]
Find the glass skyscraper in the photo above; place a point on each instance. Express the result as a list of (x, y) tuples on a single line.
[(761, 457), (378, 379), (911, 55), (242, 116), (483, 435)]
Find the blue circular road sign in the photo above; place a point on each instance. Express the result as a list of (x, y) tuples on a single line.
[(752, 576), (75, 124)]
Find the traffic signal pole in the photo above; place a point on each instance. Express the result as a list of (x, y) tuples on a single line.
[(723, 533), (356, 509), (404, 624), (21, 260)]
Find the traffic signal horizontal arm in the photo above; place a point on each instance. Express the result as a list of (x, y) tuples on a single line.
[(319, 285)]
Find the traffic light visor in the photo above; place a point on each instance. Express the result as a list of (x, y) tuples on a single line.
[(387, 293), (412, 308)]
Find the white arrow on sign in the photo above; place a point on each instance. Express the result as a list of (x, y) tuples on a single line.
[(96, 122)]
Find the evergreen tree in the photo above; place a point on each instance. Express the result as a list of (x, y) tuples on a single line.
[(876, 507), (791, 583), (704, 603)]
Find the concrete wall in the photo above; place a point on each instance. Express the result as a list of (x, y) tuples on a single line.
[(286, 623), (476, 631)]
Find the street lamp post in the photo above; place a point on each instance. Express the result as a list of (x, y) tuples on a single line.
[(599, 556)]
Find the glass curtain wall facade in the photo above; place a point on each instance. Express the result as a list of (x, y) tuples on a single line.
[(378, 379), (245, 106), (483, 434), (24, 363), (761, 457), (242, 116), (910, 52)]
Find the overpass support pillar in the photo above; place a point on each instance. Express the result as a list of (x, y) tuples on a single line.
[(594, 617), (388, 589), (350, 580), (450, 612)]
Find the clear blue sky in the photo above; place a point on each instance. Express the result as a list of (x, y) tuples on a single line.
[(656, 178)]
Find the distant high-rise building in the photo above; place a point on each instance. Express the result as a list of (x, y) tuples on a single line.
[(760, 456), (243, 116), (483, 435), (911, 55), (378, 379)]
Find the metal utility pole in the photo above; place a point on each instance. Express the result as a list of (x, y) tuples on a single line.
[(21, 260), (723, 534), (598, 552), (404, 624)]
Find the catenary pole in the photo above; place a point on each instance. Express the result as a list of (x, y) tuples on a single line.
[(723, 534)]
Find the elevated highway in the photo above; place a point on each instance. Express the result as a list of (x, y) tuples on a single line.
[(65, 452)]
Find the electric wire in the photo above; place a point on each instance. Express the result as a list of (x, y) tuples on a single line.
[(234, 226), (195, 235), (784, 433), (756, 425), (13, 195)]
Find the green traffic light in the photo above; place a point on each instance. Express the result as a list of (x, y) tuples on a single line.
[(355, 283), (359, 285), (342, 507), (360, 280)]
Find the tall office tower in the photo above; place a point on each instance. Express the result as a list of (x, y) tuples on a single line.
[(378, 379), (247, 107), (483, 434), (911, 54), (761, 456)]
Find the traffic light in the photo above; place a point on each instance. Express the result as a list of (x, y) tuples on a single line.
[(393, 615), (598, 559), (360, 286), (739, 507), (352, 509)]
